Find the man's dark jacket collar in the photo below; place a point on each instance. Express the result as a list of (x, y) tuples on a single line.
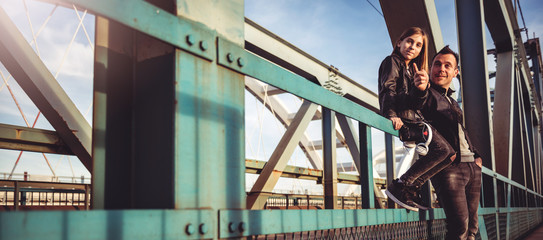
[(441, 90)]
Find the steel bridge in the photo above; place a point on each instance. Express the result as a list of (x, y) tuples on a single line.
[(184, 177)]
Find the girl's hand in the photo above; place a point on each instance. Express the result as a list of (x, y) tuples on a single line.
[(421, 78), (396, 122)]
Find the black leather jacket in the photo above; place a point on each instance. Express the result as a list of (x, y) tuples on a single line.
[(398, 96), (445, 116)]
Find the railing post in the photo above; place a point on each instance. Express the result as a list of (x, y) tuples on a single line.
[(16, 196), (390, 164), (366, 167), (329, 158)]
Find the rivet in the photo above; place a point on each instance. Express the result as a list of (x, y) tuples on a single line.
[(231, 227), (241, 62), (189, 229), (203, 45), (190, 40), (157, 11), (242, 226), (203, 228), (229, 57)]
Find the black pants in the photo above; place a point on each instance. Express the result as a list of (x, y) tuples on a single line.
[(440, 156), (458, 188)]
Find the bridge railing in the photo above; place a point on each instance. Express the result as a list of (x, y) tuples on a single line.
[(214, 53)]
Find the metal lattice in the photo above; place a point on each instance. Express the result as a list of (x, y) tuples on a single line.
[(434, 229)]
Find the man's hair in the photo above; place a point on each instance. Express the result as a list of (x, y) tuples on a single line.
[(447, 50)]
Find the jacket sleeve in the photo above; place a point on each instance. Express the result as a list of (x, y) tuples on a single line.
[(388, 76), (418, 97)]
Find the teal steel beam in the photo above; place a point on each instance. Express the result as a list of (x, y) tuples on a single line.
[(254, 66), (31, 139), (329, 180), (111, 224), (509, 181), (365, 167)]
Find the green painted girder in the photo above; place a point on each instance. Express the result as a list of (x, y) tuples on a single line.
[(236, 58), (112, 224)]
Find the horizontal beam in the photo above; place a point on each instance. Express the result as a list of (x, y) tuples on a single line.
[(111, 224), (45, 185), (31, 139), (508, 181), (256, 67), (255, 166)]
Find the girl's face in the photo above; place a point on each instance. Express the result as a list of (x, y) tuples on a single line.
[(410, 47)]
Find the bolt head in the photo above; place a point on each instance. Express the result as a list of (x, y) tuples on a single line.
[(203, 45), (230, 57), (242, 226), (190, 40), (241, 62), (231, 227), (189, 229)]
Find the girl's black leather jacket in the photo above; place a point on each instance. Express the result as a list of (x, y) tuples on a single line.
[(398, 96)]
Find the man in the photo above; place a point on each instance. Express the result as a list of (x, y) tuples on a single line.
[(458, 186)]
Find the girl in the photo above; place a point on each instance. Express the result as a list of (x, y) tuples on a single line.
[(403, 89)]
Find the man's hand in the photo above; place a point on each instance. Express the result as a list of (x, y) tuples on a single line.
[(421, 78), (396, 122), (479, 162)]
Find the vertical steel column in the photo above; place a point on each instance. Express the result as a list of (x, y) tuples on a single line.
[(134, 102), (475, 91), (365, 170), (209, 115), (391, 164), (329, 159), (503, 111)]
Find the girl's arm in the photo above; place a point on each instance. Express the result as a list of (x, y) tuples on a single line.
[(388, 75)]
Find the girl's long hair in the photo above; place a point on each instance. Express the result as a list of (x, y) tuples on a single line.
[(422, 59)]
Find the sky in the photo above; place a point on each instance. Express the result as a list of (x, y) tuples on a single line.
[(349, 34)]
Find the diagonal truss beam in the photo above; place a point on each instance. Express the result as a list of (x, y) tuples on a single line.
[(43, 89), (280, 112), (279, 158)]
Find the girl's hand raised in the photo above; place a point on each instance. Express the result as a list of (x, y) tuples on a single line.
[(421, 78)]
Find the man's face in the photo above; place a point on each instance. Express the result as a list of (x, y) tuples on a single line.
[(443, 70)]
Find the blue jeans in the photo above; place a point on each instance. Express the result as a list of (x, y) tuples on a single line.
[(458, 188), (440, 156)]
